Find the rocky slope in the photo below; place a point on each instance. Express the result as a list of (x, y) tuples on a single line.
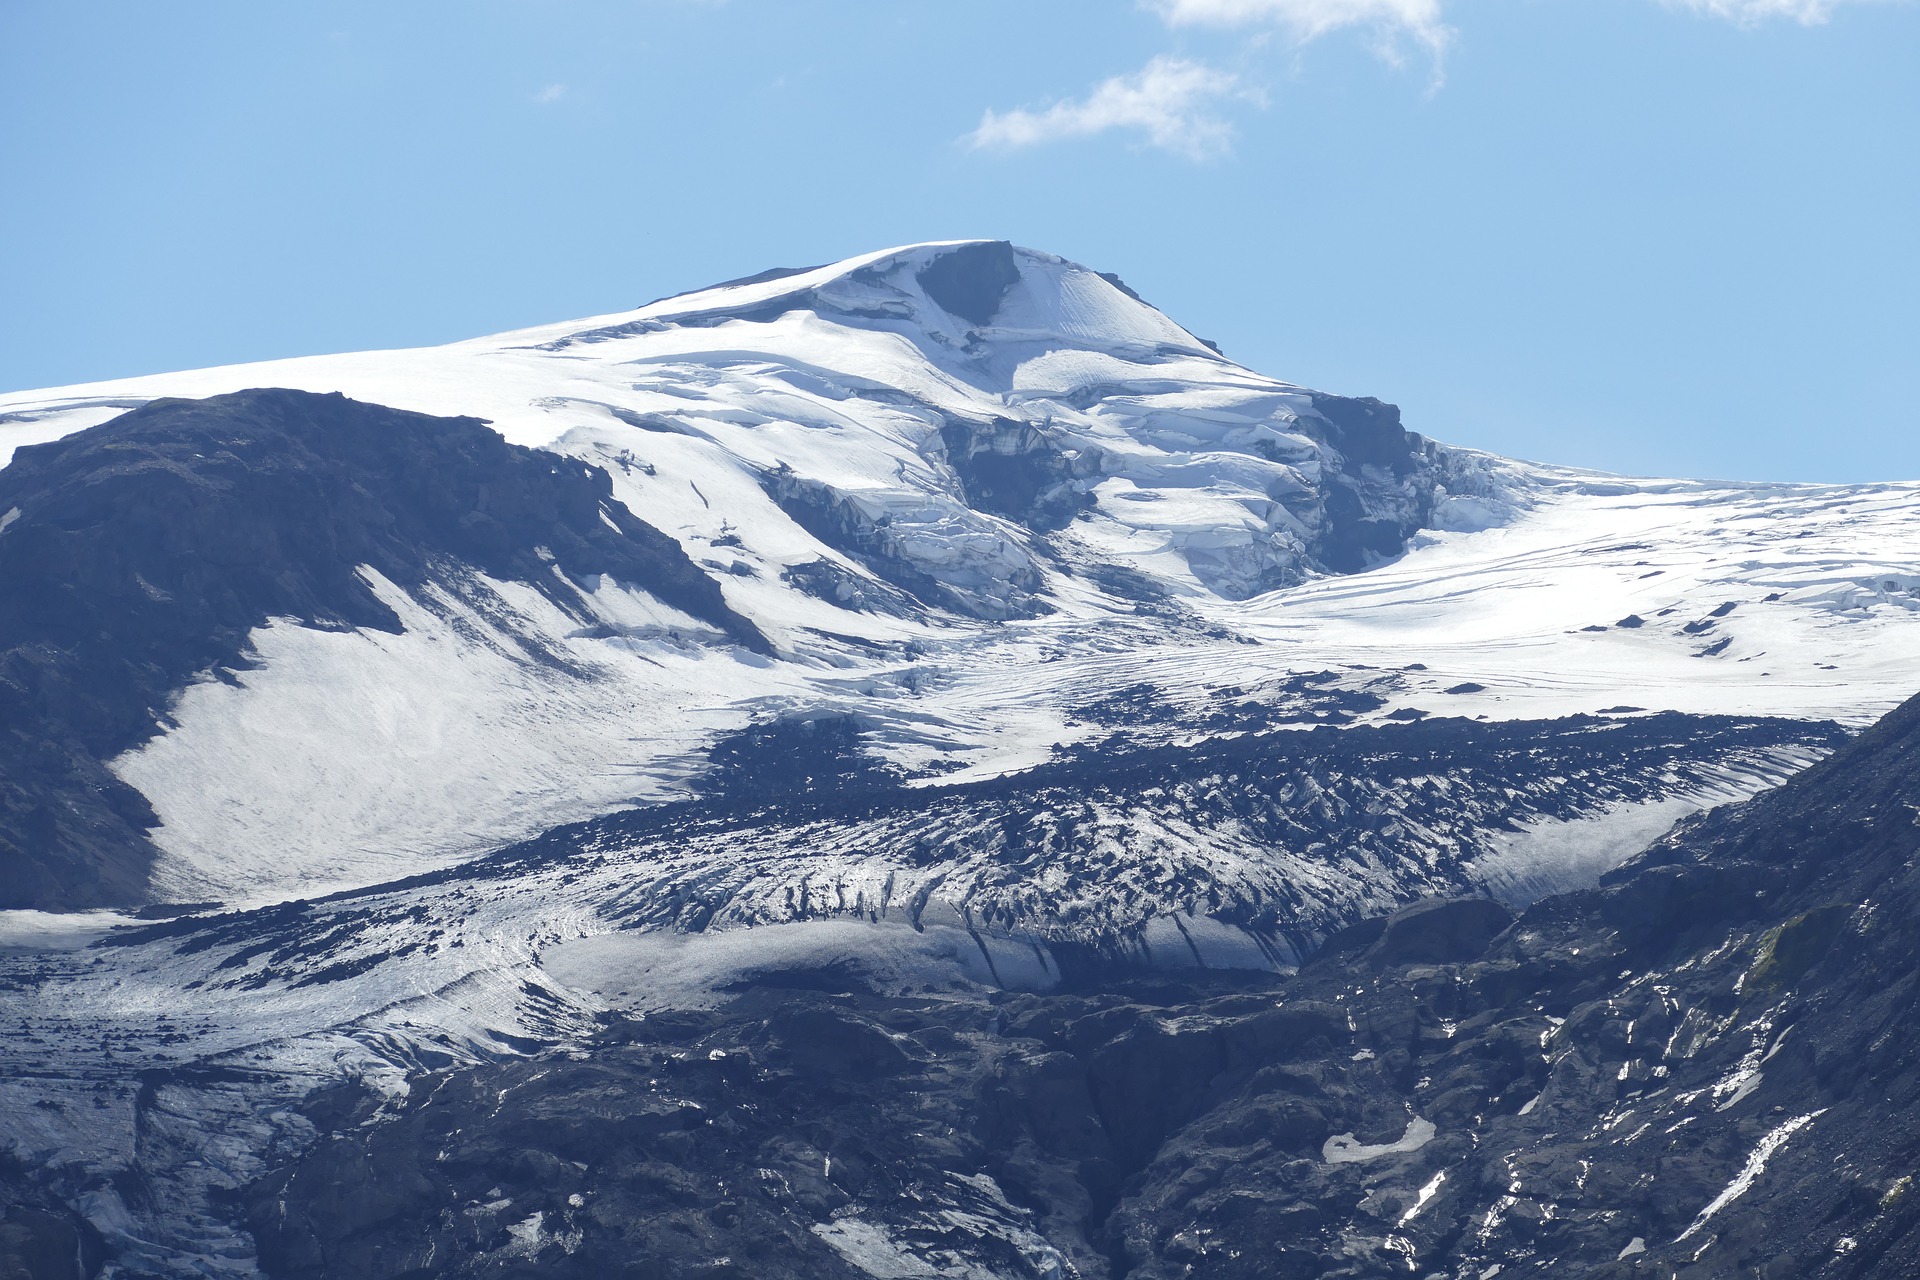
[(1703, 1069), (149, 1078), (141, 555)]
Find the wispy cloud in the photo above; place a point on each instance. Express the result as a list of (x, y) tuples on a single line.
[(550, 94), (1750, 13), (1168, 101), (1423, 20), (1174, 103), (1304, 20)]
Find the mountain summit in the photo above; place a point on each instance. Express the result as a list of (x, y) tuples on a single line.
[(940, 417), (933, 498)]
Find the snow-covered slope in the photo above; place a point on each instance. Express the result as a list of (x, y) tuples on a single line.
[(886, 410), (965, 490), (1003, 632)]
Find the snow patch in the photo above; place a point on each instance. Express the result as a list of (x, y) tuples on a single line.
[(1427, 1192), (1344, 1148), (1552, 855), (1755, 1166), (872, 1248), (58, 930), (347, 758)]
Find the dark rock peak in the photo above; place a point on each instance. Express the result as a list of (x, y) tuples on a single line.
[(1368, 432), (969, 281)]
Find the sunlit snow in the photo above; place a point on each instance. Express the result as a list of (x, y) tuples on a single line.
[(350, 757)]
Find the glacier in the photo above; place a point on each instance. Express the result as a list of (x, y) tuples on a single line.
[(963, 488), (1052, 647)]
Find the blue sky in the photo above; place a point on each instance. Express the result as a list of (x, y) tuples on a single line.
[(1674, 238)]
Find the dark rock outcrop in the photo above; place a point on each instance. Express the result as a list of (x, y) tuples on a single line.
[(142, 553), (1359, 529), (41, 1237), (969, 281), (1010, 468), (794, 756)]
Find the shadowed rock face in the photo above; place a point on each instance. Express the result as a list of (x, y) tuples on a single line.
[(1359, 528), (42, 1238), (1011, 469), (970, 281), (145, 550), (1707, 1068)]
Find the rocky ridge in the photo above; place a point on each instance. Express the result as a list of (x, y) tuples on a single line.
[(141, 555)]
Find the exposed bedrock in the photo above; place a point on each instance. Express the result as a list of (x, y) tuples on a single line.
[(1014, 469), (1705, 1069), (970, 281), (138, 556)]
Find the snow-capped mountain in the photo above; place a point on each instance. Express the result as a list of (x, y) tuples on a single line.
[(956, 492), (930, 632)]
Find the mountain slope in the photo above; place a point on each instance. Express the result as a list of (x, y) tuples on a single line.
[(1703, 1070), (142, 555), (1700, 1069), (962, 490), (166, 1060), (903, 768)]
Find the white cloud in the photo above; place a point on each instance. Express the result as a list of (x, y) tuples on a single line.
[(1423, 20), (1749, 13), (1167, 101), (551, 94), (1418, 20), (1172, 101)]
